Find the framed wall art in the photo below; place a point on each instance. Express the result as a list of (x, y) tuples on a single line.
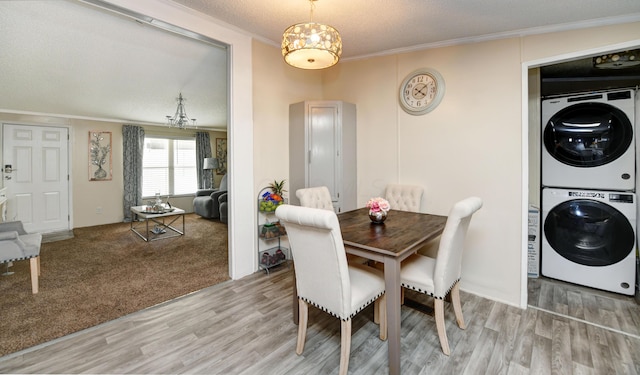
[(221, 154), (100, 156)]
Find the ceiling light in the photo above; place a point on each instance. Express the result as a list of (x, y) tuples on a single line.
[(617, 60), (180, 118), (311, 45)]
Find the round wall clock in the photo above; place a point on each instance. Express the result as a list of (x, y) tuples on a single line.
[(421, 91)]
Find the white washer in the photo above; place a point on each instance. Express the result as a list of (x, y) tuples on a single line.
[(589, 238), (588, 141)]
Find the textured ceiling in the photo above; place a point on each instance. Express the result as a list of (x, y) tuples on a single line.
[(70, 58), (370, 27)]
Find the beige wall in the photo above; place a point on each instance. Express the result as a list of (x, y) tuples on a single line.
[(473, 143), (275, 86), (483, 103), (450, 151)]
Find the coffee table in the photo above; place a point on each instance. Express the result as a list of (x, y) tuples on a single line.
[(161, 228)]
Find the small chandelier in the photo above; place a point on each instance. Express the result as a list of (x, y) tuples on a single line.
[(311, 45), (180, 118), (617, 60)]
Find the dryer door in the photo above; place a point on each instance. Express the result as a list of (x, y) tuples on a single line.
[(588, 134), (589, 232)]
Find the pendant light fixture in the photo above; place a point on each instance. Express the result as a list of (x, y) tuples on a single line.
[(180, 118), (617, 60), (311, 45)]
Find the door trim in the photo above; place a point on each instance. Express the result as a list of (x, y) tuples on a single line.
[(70, 153)]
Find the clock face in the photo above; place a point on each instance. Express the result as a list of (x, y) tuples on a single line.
[(421, 91)]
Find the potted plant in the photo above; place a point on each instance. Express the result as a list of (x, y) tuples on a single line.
[(277, 188)]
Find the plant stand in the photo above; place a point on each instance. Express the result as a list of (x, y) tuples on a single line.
[(270, 233)]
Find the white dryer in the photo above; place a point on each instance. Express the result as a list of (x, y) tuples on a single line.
[(589, 238), (588, 141)]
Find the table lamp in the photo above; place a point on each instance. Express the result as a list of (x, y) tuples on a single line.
[(210, 164)]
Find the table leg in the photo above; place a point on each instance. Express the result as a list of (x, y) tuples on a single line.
[(392, 290)]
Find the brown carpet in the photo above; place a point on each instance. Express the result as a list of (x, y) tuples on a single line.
[(103, 273)]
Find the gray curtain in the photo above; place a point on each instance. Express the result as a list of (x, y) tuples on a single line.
[(203, 150), (132, 151)]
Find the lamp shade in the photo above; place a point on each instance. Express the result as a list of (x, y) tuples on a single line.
[(311, 46), (211, 163)]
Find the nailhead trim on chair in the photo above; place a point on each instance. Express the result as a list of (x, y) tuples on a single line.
[(338, 316), (431, 294), (17, 259)]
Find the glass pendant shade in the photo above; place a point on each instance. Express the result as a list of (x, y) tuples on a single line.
[(311, 45)]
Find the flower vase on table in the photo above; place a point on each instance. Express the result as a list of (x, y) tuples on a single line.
[(378, 210)]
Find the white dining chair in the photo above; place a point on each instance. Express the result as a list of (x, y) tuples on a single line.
[(315, 197), (323, 277), (437, 277), (404, 197), (320, 197)]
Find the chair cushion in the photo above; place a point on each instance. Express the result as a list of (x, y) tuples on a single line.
[(367, 285), (31, 244), (417, 274), (14, 247)]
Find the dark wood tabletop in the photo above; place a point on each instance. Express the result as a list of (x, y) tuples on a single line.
[(401, 232)]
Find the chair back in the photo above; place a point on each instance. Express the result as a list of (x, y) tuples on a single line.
[(404, 197), (322, 273), (449, 259), (223, 183), (315, 197)]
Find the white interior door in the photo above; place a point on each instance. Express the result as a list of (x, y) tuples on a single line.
[(36, 175)]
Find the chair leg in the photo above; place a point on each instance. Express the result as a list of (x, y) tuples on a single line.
[(457, 308), (303, 317), (376, 311), (438, 306), (380, 305), (345, 346), (35, 271)]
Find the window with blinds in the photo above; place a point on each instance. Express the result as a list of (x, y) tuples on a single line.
[(169, 167)]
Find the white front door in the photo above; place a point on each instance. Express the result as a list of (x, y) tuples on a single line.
[(36, 175)]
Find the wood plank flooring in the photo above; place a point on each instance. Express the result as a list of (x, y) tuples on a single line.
[(245, 327)]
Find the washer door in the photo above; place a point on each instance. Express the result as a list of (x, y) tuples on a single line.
[(588, 134), (589, 232)]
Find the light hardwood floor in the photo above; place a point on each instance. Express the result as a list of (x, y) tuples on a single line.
[(245, 327)]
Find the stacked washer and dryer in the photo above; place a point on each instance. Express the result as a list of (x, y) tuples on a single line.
[(588, 189)]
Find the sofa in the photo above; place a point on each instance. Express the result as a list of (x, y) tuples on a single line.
[(224, 212), (207, 203)]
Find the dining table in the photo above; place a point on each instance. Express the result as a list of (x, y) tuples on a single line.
[(390, 242)]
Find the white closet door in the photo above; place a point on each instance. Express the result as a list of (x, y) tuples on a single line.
[(323, 148)]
